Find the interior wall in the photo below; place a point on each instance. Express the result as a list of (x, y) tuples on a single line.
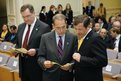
[(3, 13), (13, 8)]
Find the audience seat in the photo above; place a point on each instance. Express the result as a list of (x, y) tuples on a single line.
[(112, 54), (111, 70), (4, 58), (6, 72)]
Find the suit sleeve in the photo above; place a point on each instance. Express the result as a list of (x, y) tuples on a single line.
[(98, 50), (75, 45), (42, 53)]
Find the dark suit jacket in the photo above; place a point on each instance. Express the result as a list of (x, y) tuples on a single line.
[(91, 15), (9, 39), (93, 58), (119, 45), (58, 12), (70, 17), (42, 17), (48, 51), (34, 42), (105, 26), (49, 18)]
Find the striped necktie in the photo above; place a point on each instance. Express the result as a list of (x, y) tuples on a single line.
[(60, 50)]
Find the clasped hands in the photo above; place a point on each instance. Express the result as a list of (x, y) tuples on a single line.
[(48, 64)]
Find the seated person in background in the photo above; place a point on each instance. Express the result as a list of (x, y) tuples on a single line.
[(12, 36), (103, 33), (59, 9), (103, 22), (97, 27), (4, 33), (113, 19), (116, 42)]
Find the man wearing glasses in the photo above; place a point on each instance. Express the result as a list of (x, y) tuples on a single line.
[(57, 46), (28, 37)]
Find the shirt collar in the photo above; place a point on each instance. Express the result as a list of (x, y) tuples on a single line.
[(87, 33), (117, 36), (58, 35), (34, 22)]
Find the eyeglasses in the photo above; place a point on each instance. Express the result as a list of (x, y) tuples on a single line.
[(28, 16)]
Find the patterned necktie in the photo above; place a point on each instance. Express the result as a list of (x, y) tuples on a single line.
[(26, 40), (60, 47), (80, 42)]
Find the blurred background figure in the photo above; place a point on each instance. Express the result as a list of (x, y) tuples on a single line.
[(69, 14), (12, 36), (103, 22), (59, 9), (4, 32), (97, 27), (50, 16), (102, 10), (103, 34), (117, 16), (89, 9), (43, 14), (96, 15)]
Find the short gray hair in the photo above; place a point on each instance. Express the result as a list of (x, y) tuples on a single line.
[(59, 17)]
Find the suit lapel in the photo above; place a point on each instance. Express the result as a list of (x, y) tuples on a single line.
[(66, 45), (34, 31), (21, 34), (85, 41), (54, 44)]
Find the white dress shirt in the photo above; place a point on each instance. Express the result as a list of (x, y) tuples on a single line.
[(25, 30), (117, 43)]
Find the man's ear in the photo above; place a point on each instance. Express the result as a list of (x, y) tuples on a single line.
[(53, 25)]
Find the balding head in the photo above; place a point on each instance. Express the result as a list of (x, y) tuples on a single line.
[(117, 24), (103, 33)]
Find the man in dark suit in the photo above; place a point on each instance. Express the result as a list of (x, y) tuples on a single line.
[(91, 55), (89, 9), (116, 41), (103, 24), (57, 46), (12, 37), (103, 34), (28, 37)]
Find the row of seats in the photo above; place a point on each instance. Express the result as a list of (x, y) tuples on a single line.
[(9, 65), (112, 72), (9, 68)]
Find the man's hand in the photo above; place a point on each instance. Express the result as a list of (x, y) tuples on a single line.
[(66, 68), (48, 64), (76, 56), (31, 52), (14, 53)]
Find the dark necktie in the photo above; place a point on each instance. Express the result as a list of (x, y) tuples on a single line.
[(60, 47), (26, 40), (114, 43)]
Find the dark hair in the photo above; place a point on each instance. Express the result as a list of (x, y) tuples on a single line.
[(13, 26), (59, 17), (115, 29), (43, 8), (82, 19), (101, 18), (29, 6), (101, 4), (110, 18), (2, 28)]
